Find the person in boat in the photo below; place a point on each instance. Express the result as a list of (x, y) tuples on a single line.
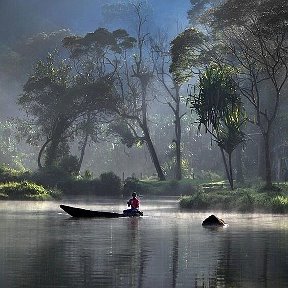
[(133, 203)]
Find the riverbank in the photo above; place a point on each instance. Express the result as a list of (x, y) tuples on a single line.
[(25, 190), (201, 195), (244, 200), (194, 194)]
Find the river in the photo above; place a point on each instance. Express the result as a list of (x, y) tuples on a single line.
[(41, 246)]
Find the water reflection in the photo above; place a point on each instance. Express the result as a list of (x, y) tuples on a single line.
[(42, 247)]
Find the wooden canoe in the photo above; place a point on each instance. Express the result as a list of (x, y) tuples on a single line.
[(84, 213)]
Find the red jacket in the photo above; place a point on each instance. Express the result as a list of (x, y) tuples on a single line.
[(134, 203)]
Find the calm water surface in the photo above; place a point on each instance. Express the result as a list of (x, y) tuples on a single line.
[(42, 247)]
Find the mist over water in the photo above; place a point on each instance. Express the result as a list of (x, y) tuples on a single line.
[(41, 246)]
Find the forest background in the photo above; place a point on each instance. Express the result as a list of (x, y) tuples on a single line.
[(106, 89)]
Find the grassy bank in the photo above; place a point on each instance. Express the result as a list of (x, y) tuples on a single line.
[(201, 195), (238, 200), (54, 179), (26, 191), (194, 194)]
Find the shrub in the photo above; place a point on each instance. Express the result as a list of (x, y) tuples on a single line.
[(110, 183), (8, 174), (198, 201), (208, 175), (69, 164), (51, 177), (88, 175), (242, 200), (55, 193), (24, 191), (279, 204)]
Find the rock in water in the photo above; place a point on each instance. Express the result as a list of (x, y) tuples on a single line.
[(212, 220)]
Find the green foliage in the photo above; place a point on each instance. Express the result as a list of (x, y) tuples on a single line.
[(219, 110), (24, 191), (170, 165), (48, 104), (121, 129), (70, 164), (99, 41), (279, 204), (88, 175), (198, 201), (208, 176), (8, 174), (17, 60), (160, 188), (217, 100), (239, 200), (36, 180), (82, 187), (59, 99), (58, 181), (230, 134), (52, 177), (44, 92), (186, 54), (11, 152), (268, 17), (110, 183), (255, 36)]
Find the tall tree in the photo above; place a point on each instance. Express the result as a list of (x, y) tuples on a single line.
[(43, 101), (255, 37), (95, 59), (144, 74), (162, 59), (135, 78), (218, 108), (251, 36), (58, 102)]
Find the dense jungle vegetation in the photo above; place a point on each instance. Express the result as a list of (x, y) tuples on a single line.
[(198, 112)]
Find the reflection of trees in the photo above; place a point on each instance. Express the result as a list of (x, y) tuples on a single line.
[(222, 271), (108, 257), (175, 255), (265, 263), (204, 257), (38, 259), (255, 259), (144, 253)]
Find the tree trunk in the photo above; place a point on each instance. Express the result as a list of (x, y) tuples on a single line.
[(239, 166), (178, 173), (51, 155), (268, 172), (153, 153), (57, 134), (230, 171), (83, 148), (228, 168), (144, 82), (178, 136), (41, 152), (261, 158)]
